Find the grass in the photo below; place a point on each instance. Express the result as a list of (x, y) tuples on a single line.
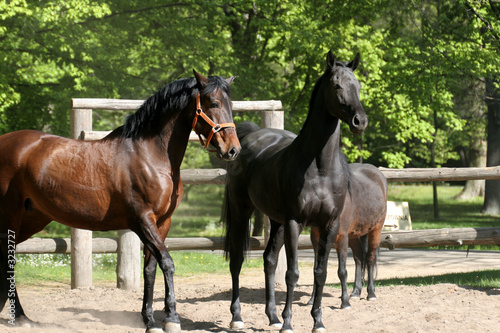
[(452, 213), (478, 279), (199, 215), (56, 268)]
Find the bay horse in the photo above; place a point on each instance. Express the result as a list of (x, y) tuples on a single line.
[(296, 181), (128, 180), (361, 223)]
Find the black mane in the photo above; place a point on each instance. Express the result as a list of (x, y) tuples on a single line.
[(171, 99)]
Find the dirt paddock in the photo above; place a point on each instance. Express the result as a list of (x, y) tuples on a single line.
[(203, 302)]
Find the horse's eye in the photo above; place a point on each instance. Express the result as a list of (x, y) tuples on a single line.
[(215, 105)]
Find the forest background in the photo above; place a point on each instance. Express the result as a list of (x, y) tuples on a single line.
[(429, 69)]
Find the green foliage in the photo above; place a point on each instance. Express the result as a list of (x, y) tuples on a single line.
[(414, 57)]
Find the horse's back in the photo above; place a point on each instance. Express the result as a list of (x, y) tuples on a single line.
[(257, 146), (15, 148), (261, 140), (368, 199)]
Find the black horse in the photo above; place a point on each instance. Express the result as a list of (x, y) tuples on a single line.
[(296, 181)]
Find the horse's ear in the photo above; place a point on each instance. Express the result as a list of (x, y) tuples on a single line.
[(202, 81), (330, 60), (230, 80), (355, 62)]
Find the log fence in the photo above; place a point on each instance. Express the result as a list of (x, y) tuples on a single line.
[(81, 245), (390, 239)]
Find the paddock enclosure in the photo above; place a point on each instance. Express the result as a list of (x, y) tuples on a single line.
[(203, 303), (127, 245)]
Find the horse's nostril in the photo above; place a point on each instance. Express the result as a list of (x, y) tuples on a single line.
[(232, 152), (355, 121)]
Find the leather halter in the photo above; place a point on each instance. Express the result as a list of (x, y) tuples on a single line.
[(215, 127)]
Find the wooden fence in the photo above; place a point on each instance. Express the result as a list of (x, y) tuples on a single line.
[(390, 239), (81, 245)]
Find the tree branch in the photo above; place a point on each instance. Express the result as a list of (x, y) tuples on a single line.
[(482, 19)]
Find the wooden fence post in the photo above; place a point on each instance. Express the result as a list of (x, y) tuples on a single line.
[(275, 119), (81, 240), (128, 269)]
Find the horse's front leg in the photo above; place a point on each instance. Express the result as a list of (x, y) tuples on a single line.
[(271, 254), (314, 236), (341, 245), (320, 271), (171, 324), (292, 230), (153, 241), (149, 284)]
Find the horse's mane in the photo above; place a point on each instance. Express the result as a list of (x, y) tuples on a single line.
[(315, 91), (172, 98)]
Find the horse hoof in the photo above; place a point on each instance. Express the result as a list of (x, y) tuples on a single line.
[(169, 327), (276, 325), (288, 330), (154, 330), (319, 330), (372, 299), (347, 307), (236, 325)]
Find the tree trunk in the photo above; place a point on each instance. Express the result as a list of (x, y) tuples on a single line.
[(469, 101), (477, 159), (492, 188)]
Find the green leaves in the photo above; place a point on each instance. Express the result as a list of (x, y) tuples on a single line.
[(413, 57)]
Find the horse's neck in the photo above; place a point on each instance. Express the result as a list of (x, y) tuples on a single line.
[(174, 140), (319, 141), (167, 148)]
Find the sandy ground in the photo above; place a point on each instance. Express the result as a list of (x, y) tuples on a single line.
[(203, 302)]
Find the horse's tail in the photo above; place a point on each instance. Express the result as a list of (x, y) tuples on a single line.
[(245, 128), (364, 254), (237, 240)]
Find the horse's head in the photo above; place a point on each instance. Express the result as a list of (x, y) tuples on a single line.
[(343, 93), (214, 117)]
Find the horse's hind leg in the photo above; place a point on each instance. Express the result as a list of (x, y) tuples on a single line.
[(358, 254), (271, 254), (371, 261), (10, 236), (8, 290)]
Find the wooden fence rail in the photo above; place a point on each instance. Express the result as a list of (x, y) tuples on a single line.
[(391, 240)]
